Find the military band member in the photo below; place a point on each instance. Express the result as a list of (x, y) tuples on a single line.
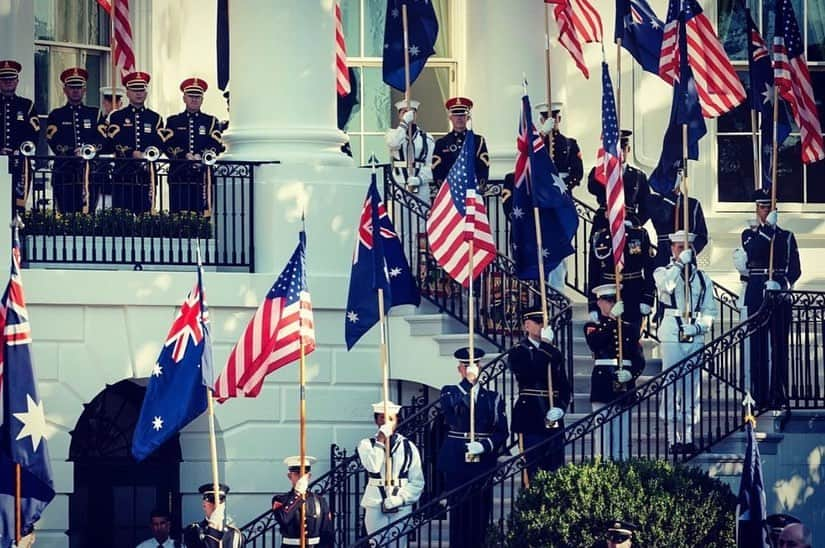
[(565, 150), (636, 277), (769, 369), (533, 419), (132, 130), (636, 188), (383, 501), (214, 530), (68, 129), (19, 124), (461, 460), (189, 135), (448, 147), (666, 213), (683, 334), (420, 177), (110, 100), (317, 525), (609, 381)]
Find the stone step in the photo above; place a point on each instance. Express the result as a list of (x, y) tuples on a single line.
[(426, 325), (448, 343)]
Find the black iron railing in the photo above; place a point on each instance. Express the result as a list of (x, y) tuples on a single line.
[(805, 351), (109, 211)]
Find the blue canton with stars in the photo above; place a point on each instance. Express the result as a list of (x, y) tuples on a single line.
[(640, 31), (422, 27)]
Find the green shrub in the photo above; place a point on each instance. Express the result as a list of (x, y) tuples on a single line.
[(673, 506), (117, 222)]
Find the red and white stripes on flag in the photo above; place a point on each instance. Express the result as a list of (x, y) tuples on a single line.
[(341, 71), (579, 23), (717, 84), (123, 47)]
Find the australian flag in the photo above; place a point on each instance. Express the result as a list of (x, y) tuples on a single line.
[(752, 506), (685, 109), (177, 386), (422, 29), (537, 183), (24, 422), (640, 32), (378, 263)]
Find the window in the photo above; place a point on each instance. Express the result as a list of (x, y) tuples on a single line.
[(68, 33), (795, 182), (363, 22)]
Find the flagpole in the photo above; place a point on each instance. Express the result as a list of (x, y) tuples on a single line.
[(18, 503), (548, 80), (774, 164), (471, 312), (757, 173), (410, 148), (302, 435), (618, 90), (112, 43), (385, 388), (686, 313)]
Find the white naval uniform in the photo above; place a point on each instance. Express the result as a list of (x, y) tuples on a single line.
[(670, 288), (423, 146), (408, 476)]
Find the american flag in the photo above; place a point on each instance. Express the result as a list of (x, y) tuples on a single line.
[(579, 23), (341, 70), (717, 83), (123, 48), (793, 81), (274, 336), (611, 168), (457, 217)]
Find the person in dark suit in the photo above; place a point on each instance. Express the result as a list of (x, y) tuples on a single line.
[(463, 457), (448, 147), (19, 124), (287, 509), (532, 360), (214, 531)]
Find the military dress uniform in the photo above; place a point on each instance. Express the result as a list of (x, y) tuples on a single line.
[(470, 515), (636, 192), (529, 361), (134, 128), (566, 153), (191, 133), (447, 148), (417, 180), (18, 124), (666, 212), (383, 501), (638, 288), (68, 129), (286, 507), (681, 403), (203, 534), (769, 353)]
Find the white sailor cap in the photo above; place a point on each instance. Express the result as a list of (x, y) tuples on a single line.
[(392, 407), (679, 237), (413, 104), (605, 291), (294, 463), (106, 91)]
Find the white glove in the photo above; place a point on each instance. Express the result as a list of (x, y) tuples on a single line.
[(628, 223), (413, 182), (472, 372), (302, 484), (475, 448), (548, 125), (772, 285), (645, 309), (623, 376), (27, 541), (690, 330), (393, 501), (618, 309), (740, 261), (547, 334), (216, 519), (773, 218), (686, 256), (555, 414), (409, 116), (594, 316), (386, 429)]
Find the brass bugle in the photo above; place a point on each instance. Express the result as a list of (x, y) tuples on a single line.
[(209, 158), (27, 148), (88, 152), (151, 154)]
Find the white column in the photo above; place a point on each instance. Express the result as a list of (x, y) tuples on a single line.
[(16, 31), (282, 83)]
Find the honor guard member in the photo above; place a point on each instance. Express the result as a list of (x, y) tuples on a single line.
[(566, 153), (533, 419), (132, 131), (287, 509), (461, 459), (636, 189), (77, 131), (619, 534), (682, 331), (448, 147), (609, 381), (214, 530), (420, 177), (667, 214), (387, 501), (19, 124), (769, 370), (111, 100), (191, 135), (636, 276)]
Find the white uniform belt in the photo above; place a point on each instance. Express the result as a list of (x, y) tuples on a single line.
[(297, 541), (611, 361), (379, 482), (672, 312), (401, 164), (756, 271), (466, 435)]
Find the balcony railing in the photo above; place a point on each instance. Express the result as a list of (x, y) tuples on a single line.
[(116, 213)]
